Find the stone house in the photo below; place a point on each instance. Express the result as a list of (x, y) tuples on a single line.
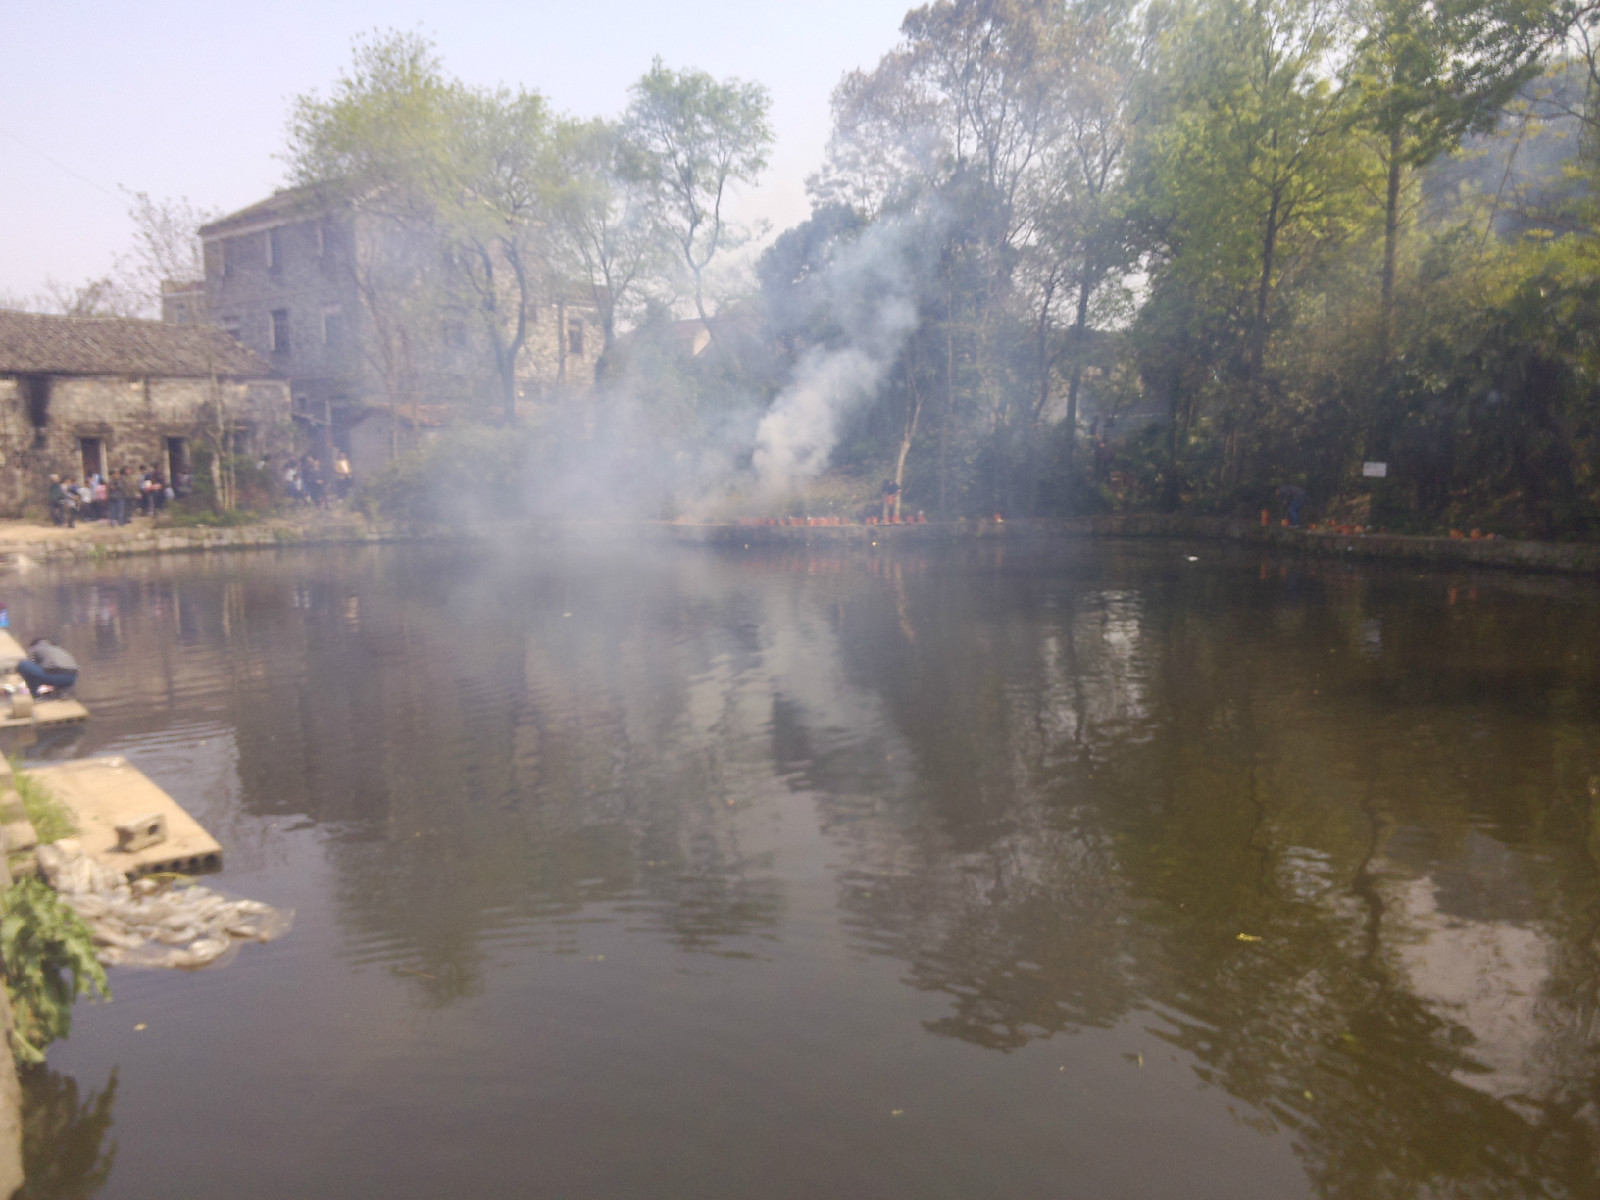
[(80, 395), (297, 279)]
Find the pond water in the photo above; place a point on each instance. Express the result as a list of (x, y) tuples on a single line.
[(631, 871)]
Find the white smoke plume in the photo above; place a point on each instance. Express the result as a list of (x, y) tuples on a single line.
[(871, 287)]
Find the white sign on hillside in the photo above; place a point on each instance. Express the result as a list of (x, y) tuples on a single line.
[(1375, 470)]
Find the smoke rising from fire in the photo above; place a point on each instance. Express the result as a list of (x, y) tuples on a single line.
[(872, 285)]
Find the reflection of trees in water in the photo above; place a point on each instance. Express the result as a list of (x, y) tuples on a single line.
[(487, 764), (65, 1154), (1103, 807), (1058, 796)]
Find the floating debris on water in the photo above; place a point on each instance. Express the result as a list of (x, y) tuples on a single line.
[(156, 921)]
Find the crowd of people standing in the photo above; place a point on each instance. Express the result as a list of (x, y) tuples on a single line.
[(117, 496), (114, 497), (307, 481)]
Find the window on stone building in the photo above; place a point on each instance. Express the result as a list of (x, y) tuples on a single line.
[(275, 248), (328, 241), (332, 325), (280, 330), (230, 255), (231, 327), (575, 337)]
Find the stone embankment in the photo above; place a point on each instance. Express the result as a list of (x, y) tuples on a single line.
[(23, 545), (1568, 557)]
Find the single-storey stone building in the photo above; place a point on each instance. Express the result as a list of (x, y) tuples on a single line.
[(80, 395)]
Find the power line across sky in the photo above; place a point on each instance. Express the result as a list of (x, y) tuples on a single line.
[(180, 98)]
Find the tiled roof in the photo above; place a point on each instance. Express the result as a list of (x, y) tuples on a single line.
[(33, 344), (280, 206)]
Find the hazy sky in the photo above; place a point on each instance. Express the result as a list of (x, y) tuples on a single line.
[(180, 98)]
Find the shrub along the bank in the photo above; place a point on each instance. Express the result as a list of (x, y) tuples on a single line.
[(49, 962), (470, 472)]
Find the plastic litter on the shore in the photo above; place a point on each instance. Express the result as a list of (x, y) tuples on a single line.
[(156, 922)]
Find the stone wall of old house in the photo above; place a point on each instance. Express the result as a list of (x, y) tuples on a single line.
[(572, 327), (300, 266), (296, 267), (133, 422)]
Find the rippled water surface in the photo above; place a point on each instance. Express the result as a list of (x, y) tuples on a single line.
[(643, 872)]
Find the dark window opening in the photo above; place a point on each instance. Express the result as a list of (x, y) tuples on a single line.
[(93, 453), (177, 458), (332, 326), (275, 248), (230, 255), (280, 330), (330, 243), (240, 442), (36, 395), (575, 338)]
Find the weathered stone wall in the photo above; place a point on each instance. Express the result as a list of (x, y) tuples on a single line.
[(308, 278), (551, 330), (302, 266), (132, 419)]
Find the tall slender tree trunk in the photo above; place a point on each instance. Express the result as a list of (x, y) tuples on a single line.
[(1391, 245), (913, 412), (1171, 491), (561, 341), (1080, 332), (1042, 352), (1256, 383), (949, 401), (1258, 347)]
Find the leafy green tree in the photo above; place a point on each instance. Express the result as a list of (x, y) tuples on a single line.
[(492, 205), (1427, 74), (696, 139), (1250, 171), (606, 231), (450, 180)]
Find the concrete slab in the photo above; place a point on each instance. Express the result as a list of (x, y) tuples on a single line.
[(45, 713), (103, 793)]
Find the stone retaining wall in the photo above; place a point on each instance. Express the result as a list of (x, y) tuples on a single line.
[(1567, 557), (135, 540)]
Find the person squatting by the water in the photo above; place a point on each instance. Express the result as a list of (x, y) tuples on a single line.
[(48, 668)]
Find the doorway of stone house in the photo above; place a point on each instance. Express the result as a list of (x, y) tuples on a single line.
[(177, 459), (93, 452)]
